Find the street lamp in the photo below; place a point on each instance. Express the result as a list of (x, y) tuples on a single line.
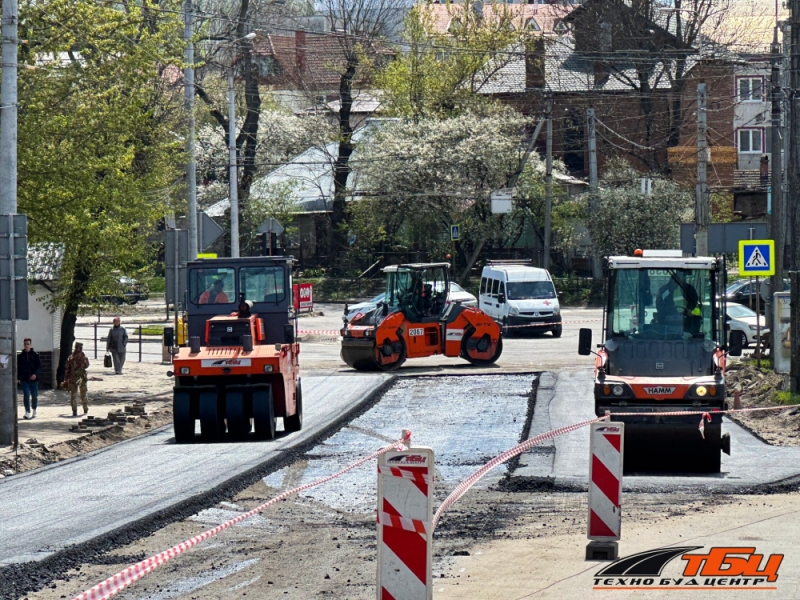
[(233, 177)]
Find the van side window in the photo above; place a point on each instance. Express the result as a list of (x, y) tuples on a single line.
[(495, 283), (502, 290), (483, 285)]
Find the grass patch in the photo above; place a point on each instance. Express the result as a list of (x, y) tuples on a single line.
[(787, 398), (150, 330), (157, 285)]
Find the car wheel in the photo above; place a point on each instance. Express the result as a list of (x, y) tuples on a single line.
[(741, 336), (557, 331)]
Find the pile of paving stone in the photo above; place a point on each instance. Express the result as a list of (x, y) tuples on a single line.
[(115, 418)]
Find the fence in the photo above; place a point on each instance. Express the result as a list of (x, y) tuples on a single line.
[(146, 347)]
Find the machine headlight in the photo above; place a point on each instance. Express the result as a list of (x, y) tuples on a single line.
[(184, 370), (267, 368), (701, 390), (618, 390), (753, 327), (556, 311), (513, 311)]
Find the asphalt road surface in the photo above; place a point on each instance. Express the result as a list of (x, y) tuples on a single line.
[(45, 510)]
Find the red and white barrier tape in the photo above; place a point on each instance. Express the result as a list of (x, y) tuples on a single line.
[(390, 520), (704, 415), (116, 583), (465, 485), (319, 331)]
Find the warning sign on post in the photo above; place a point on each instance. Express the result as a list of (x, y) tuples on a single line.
[(757, 258)]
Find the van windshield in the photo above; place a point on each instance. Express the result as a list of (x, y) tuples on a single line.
[(521, 290)]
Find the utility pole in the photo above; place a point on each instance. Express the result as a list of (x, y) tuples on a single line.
[(701, 194), (8, 206), (777, 222), (234, 178), (793, 198), (188, 91), (597, 270), (548, 179)]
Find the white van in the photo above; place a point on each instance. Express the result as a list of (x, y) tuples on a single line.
[(518, 294)]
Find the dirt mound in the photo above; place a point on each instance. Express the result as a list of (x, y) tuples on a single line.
[(757, 389)]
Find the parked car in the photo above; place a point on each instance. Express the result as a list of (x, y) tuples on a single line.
[(127, 291), (742, 322), (744, 292), (457, 294)]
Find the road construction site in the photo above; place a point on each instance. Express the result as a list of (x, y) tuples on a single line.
[(519, 533)]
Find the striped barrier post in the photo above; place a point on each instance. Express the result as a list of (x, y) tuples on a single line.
[(605, 490), (405, 513)]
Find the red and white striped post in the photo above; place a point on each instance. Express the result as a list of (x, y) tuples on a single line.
[(605, 490), (405, 514)]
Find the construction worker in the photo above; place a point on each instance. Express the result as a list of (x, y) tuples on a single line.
[(215, 295), (75, 378)]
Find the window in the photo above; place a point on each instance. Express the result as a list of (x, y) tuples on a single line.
[(495, 284), (502, 290), (522, 290), (532, 25), (750, 89), (483, 285), (750, 141), (212, 286), (560, 28), (263, 284), (662, 304)]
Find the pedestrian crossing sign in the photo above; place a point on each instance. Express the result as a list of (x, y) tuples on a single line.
[(757, 258)]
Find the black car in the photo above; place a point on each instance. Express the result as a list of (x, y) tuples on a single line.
[(744, 292), (127, 291)]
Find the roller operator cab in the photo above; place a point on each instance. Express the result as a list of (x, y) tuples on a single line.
[(664, 349), (240, 372), (520, 297), (414, 320)]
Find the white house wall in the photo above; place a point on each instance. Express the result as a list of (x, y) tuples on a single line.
[(40, 327)]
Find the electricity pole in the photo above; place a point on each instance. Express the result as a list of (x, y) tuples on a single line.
[(548, 180), (777, 222), (597, 268), (701, 192), (191, 165), (793, 199), (8, 206)]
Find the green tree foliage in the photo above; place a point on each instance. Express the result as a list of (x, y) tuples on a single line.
[(442, 74), (429, 174), (626, 219), (99, 154)]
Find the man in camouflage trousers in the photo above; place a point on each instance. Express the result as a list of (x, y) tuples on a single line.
[(75, 378)]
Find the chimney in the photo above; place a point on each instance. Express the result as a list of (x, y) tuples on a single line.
[(300, 49)]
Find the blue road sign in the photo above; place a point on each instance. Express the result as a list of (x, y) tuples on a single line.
[(455, 233), (757, 258)]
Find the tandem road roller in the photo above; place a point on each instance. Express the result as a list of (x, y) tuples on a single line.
[(240, 372), (415, 320)]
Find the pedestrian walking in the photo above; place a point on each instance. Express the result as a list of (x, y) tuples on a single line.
[(28, 365), (75, 378), (116, 343)]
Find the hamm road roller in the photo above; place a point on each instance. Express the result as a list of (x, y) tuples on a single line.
[(415, 319), (240, 372), (664, 349)]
